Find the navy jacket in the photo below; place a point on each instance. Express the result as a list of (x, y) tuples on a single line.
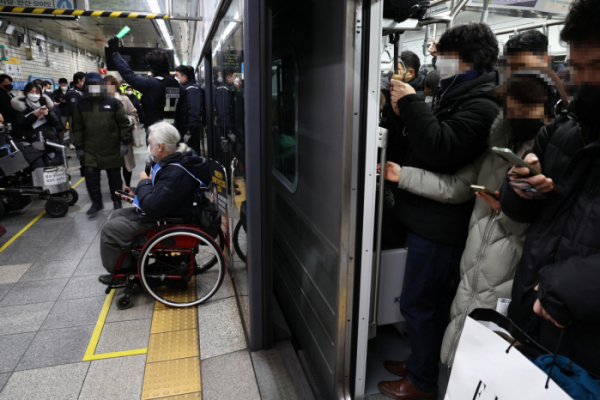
[(224, 109), (172, 194), (562, 248), (152, 94), (194, 104), (58, 95), (73, 97)]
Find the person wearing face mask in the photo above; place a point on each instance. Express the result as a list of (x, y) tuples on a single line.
[(163, 98), (37, 124), (131, 95), (60, 96), (193, 136), (103, 133), (6, 95), (73, 97), (132, 113), (555, 292), (441, 139), (524, 113), (168, 192)]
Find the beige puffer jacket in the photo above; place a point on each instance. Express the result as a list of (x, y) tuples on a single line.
[(495, 242)]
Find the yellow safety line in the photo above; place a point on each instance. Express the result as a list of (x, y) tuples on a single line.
[(12, 239), (89, 353)]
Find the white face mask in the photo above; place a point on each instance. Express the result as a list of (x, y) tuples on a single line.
[(177, 79), (129, 93), (33, 97), (447, 66), (64, 88), (220, 79), (236, 81), (429, 99)]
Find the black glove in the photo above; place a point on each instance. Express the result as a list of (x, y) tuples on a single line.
[(80, 155), (124, 150), (113, 44)]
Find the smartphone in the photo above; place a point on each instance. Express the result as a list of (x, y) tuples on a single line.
[(483, 189), (516, 161), (43, 108), (125, 194)]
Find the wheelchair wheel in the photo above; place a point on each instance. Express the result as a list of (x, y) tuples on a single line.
[(207, 261), (170, 263), (57, 207), (240, 250), (71, 196)]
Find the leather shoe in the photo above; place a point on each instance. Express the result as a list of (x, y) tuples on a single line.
[(109, 280), (404, 390), (396, 367)]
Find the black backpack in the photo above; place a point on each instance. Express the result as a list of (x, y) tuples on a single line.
[(401, 10)]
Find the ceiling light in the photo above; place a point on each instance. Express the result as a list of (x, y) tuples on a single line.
[(162, 27)]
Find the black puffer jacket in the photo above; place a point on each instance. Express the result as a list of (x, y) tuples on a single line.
[(562, 249), (172, 194), (443, 140)]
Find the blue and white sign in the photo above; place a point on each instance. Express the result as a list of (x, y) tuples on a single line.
[(66, 4)]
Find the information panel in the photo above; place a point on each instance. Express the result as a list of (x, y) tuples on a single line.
[(136, 57), (546, 6)]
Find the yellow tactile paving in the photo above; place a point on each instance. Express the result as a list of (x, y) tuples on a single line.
[(171, 378), (173, 345), (189, 396), (174, 319), (177, 296)]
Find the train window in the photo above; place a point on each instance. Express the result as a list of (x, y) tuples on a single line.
[(285, 121)]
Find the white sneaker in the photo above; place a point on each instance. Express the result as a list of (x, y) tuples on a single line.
[(71, 146)]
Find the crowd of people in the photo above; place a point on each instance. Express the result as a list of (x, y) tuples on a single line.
[(477, 227)]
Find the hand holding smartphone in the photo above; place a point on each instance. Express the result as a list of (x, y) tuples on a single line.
[(125, 195), (517, 162), (483, 189)]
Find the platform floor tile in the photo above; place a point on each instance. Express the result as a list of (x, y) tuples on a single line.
[(3, 379), (82, 287), (78, 312), (115, 379), (34, 292), (143, 307), (12, 348), (172, 378), (90, 266), (5, 288), (220, 328), (62, 382), (12, 273), (44, 270), (25, 318), (124, 335), (230, 376), (57, 347)]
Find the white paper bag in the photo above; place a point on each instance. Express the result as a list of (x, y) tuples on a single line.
[(482, 370)]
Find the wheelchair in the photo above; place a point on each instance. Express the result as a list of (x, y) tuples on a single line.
[(178, 264), (18, 183)]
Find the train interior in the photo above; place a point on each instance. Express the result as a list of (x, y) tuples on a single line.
[(294, 143)]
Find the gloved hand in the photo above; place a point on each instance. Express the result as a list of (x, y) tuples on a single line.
[(186, 137), (124, 150), (113, 43), (80, 155)]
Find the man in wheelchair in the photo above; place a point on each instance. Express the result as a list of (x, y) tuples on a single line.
[(166, 194)]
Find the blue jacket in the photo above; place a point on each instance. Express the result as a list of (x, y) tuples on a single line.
[(172, 193), (152, 94), (194, 104), (73, 97)]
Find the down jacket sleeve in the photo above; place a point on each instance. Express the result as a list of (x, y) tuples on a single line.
[(166, 195), (443, 188), (568, 289), (453, 142)]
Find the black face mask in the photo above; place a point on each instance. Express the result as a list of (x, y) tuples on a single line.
[(586, 103), (525, 129), (8, 87)]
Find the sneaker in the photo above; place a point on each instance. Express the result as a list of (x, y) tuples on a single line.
[(117, 205), (72, 146), (109, 280), (94, 209)]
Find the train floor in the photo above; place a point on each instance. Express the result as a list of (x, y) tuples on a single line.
[(62, 337)]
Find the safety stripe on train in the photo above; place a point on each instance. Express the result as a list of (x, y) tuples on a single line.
[(62, 11)]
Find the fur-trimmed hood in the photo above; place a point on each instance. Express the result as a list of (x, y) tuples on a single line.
[(19, 104), (501, 133)]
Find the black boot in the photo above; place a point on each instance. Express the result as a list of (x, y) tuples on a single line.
[(94, 209), (117, 205)]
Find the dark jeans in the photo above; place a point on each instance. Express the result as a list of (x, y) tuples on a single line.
[(92, 182), (127, 176), (429, 286)]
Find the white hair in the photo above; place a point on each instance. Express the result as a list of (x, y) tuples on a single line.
[(167, 135)]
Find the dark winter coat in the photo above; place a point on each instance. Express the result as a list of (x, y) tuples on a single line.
[(58, 95), (444, 139), (562, 248), (73, 97), (172, 194), (153, 95), (101, 125), (6, 109), (224, 107), (194, 103)]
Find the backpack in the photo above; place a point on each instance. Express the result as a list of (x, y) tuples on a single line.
[(401, 10)]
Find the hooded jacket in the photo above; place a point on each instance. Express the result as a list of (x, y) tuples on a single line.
[(443, 140), (101, 125), (495, 242), (562, 250), (170, 193), (25, 120)]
